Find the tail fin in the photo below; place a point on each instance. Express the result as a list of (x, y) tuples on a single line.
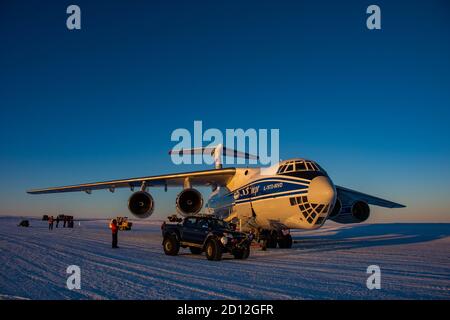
[(216, 152)]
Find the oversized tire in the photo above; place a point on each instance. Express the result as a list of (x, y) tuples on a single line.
[(171, 245), (213, 250), (195, 250), (242, 254)]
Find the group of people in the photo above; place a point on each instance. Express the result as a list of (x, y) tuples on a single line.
[(113, 225), (67, 221)]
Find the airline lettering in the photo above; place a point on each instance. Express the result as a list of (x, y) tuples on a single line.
[(247, 191), (273, 186), (256, 190)]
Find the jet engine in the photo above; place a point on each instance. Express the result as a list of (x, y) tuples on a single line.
[(141, 204), (336, 209), (189, 201), (357, 212)]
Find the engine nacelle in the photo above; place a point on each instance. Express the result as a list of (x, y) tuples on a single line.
[(358, 212), (141, 204), (189, 201), (336, 209)]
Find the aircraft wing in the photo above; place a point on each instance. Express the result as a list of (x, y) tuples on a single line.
[(196, 178), (356, 195)]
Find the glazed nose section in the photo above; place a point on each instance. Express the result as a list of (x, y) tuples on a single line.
[(321, 190)]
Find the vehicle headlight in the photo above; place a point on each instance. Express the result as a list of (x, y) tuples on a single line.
[(224, 240)]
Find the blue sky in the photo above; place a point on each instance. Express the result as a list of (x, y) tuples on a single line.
[(372, 107)]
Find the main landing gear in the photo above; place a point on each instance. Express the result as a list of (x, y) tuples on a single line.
[(272, 238)]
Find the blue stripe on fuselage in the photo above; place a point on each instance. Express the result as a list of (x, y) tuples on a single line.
[(268, 187), (274, 195), (295, 185), (279, 178)]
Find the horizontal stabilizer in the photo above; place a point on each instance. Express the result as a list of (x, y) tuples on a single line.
[(216, 152), (210, 151)]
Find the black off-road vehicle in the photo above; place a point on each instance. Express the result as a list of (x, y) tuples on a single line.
[(205, 234)]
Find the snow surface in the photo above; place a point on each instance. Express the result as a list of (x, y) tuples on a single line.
[(329, 263)]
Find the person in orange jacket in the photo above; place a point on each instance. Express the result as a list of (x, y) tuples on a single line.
[(114, 230)]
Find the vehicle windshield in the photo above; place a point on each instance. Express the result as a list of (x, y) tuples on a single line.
[(203, 223), (222, 224)]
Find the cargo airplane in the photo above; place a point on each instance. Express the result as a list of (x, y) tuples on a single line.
[(293, 194)]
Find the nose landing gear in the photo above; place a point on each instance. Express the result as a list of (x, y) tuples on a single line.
[(285, 241), (272, 238)]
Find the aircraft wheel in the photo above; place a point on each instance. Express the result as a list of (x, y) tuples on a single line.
[(285, 242), (242, 254), (272, 240), (289, 241)]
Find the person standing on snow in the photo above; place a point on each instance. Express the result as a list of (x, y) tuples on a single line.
[(114, 230), (50, 223)]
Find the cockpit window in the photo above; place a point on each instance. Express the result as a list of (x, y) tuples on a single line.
[(300, 165)]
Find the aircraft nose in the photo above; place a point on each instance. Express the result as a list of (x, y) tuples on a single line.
[(321, 190)]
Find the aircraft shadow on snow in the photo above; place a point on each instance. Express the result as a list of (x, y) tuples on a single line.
[(373, 235)]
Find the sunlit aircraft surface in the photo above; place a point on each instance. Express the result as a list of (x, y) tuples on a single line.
[(293, 194)]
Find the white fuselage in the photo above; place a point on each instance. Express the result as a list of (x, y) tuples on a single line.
[(277, 197)]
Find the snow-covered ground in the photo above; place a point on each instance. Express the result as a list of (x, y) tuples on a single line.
[(329, 263)]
